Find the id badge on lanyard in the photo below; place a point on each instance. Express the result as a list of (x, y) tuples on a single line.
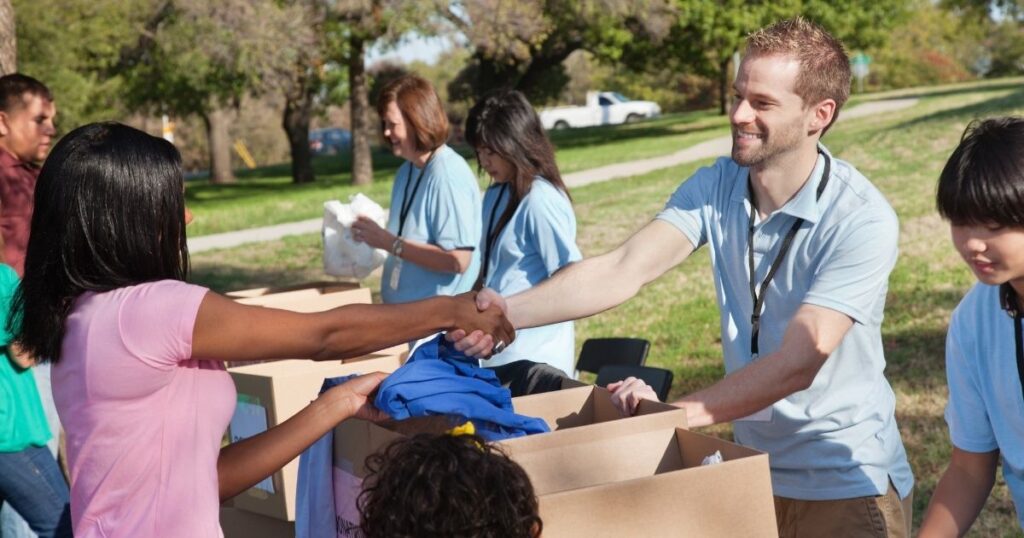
[(396, 274)]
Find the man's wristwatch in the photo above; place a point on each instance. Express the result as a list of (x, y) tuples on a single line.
[(397, 247)]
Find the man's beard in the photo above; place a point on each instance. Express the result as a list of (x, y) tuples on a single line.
[(780, 141)]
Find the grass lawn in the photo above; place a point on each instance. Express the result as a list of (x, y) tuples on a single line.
[(266, 196), (901, 152)]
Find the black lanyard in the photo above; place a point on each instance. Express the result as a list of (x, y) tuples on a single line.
[(492, 234), (1012, 306), (787, 242), (407, 199), (1017, 330)]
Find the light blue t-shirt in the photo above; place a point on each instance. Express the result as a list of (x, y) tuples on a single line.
[(986, 408), (445, 211), (538, 240), (838, 438)]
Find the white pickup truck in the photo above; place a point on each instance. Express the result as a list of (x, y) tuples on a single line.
[(602, 108)]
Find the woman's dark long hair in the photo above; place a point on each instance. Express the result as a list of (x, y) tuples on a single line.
[(109, 213), (505, 123)]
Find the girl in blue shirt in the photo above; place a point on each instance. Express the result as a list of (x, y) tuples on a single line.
[(529, 228), (981, 193)]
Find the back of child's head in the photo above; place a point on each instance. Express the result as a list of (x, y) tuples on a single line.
[(983, 180), (446, 486)]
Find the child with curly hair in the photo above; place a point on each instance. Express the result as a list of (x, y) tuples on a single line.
[(447, 486)]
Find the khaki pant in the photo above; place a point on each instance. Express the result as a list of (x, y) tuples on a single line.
[(881, 516)]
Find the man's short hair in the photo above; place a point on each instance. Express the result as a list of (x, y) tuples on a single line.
[(13, 88), (421, 107), (983, 180), (824, 65)]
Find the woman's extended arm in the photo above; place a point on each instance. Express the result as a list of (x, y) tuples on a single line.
[(228, 331)]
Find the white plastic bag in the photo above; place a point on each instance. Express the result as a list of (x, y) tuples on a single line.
[(343, 255)]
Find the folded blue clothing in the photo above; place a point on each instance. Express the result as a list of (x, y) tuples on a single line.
[(438, 380)]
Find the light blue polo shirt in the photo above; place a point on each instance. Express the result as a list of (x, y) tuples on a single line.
[(445, 212), (539, 239), (838, 438), (986, 409)]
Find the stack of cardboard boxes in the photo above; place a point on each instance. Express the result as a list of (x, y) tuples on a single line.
[(596, 474), (600, 474)]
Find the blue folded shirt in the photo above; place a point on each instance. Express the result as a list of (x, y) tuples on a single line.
[(438, 380)]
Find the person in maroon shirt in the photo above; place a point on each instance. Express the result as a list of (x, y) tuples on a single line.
[(26, 130)]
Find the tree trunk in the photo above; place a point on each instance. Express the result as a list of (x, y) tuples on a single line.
[(362, 161), (8, 39), (723, 86), (298, 110), (219, 141)]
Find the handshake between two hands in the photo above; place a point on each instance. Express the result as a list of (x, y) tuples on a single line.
[(482, 327)]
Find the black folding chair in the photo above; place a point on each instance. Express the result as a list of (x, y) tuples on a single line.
[(599, 352), (659, 379)]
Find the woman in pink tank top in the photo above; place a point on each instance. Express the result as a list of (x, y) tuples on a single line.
[(138, 354)]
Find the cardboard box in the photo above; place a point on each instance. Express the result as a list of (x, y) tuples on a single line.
[(296, 290), (649, 484), (312, 300), (241, 524), (574, 415), (270, 393)]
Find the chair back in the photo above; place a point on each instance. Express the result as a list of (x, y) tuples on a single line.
[(599, 352), (659, 379)]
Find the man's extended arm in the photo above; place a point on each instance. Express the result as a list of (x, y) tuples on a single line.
[(596, 284), (811, 336), (586, 287)]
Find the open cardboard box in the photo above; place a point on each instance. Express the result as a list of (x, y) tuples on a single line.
[(270, 393), (649, 484), (574, 415)]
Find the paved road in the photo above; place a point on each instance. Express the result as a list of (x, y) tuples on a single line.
[(705, 150)]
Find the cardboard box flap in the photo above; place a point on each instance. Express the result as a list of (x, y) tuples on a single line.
[(297, 290), (305, 302), (579, 406), (651, 484), (561, 409), (715, 501), (556, 466), (697, 446)]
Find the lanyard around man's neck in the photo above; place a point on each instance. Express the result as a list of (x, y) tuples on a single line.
[(787, 242)]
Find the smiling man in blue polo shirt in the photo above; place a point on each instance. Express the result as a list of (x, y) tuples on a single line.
[(801, 248)]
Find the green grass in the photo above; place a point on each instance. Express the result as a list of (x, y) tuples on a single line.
[(902, 153), (266, 196)]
